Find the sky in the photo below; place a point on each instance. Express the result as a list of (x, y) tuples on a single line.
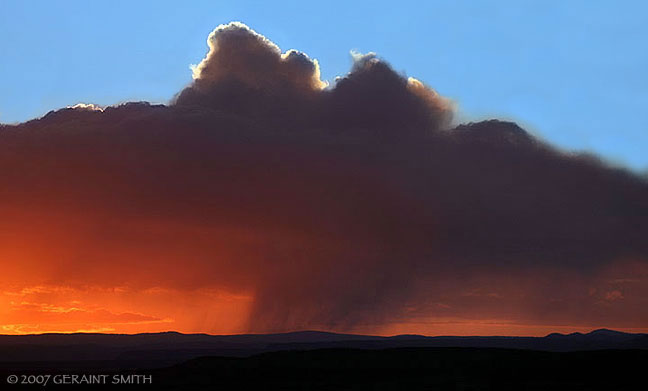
[(572, 73), (258, 199)]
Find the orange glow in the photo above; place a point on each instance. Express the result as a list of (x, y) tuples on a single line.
[(65, 309)]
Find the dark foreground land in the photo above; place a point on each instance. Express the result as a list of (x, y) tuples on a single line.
[(417, 369), (388, 369), (602, 360)]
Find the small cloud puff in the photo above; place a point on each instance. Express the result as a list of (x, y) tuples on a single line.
[(86, 106)]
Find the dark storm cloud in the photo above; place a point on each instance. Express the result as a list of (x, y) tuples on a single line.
[(334, 206), (245, 73)]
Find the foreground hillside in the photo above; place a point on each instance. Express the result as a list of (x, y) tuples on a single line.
[(391, 369)]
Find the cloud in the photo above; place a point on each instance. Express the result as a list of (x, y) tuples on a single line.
[(247, 74), (240, 61), (349, 207), (86, 106), (238, 52), (613, 295)]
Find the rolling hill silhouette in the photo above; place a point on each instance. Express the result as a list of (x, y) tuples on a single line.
[(160, 349), (600, 360)]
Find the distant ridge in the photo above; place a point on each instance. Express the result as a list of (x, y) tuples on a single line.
[(602, 331), (166, 348)]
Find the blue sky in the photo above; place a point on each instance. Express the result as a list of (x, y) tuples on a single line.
[(572, 72)]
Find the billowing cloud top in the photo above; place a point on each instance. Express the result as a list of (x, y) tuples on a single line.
[(237, 52), (246, 73), (350, 207)]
